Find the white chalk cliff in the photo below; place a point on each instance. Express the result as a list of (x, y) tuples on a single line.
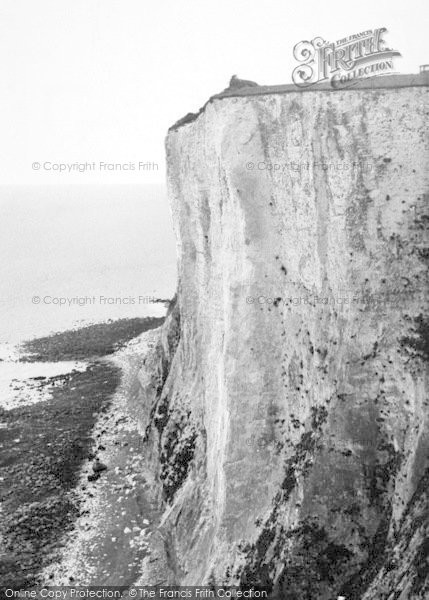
[(286, 404)]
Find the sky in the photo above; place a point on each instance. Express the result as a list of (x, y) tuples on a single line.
[(98, 82)]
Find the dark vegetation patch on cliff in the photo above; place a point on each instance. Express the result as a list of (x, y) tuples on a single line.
[(176, 456), (177, 438), (380, 478), (177, 441), (309, 561), (355, 587), (406, 554), (159, 408), (383, 472), (416, 522), (159, 413), (262, 558), (421, 566), (317, 563), (418, 342)]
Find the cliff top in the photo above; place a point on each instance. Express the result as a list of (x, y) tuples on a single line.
[(252, 89)]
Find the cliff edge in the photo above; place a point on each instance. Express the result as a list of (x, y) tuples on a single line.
[(285, 407)]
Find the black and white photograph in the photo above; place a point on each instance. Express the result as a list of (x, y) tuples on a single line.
[(214, 311)]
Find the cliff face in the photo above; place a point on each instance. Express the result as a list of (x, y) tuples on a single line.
[(286, 410)]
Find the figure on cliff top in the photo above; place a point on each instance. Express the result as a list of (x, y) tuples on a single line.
[(236, 83)]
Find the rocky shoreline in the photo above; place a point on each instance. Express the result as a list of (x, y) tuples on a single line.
[(65, 457), (111, 535)]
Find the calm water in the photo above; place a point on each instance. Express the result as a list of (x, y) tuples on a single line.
[(101, 251)]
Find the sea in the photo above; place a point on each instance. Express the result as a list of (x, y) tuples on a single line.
[(75, 255), (81, 254)]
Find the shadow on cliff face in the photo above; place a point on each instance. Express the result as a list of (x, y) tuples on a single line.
[(176, 435), (316, 562), (337, 552)]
